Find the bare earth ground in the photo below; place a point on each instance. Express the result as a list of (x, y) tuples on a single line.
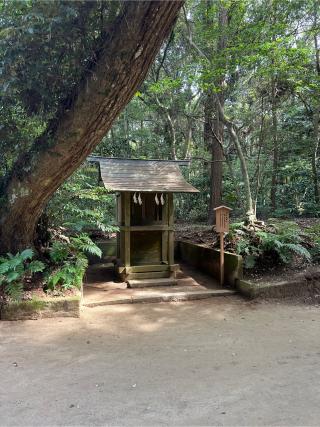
[(222, 361)]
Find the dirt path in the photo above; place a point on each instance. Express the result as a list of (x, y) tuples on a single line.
[(219, 361)]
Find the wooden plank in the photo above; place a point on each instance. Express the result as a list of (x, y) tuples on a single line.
[(127, 249), (164, 247), (170, 233), (170, 210), (171, 248), (145, 268), (146, 247), (144, 283), (118, 245), (127, 203), (146, 228), (148, 275)]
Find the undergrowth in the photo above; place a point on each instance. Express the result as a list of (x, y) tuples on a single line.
[(14, 269), (278, 242), (70, 261), (62, 267)]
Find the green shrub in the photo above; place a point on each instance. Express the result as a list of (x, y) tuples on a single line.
[(314, 234), (284, 245), (14, 269), (281, 240), (70, 262)]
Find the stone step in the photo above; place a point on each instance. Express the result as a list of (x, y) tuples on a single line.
[(149, 275), (162, 296), (150, 283)]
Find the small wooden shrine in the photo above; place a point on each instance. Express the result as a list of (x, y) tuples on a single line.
[(145, 242)]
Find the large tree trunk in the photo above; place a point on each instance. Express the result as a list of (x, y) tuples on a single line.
[(213, 135), (131, 47), (217, 155)]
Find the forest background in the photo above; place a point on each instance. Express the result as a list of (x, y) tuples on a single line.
[(235, 89)]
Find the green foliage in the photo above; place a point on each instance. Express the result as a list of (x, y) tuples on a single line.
[(285, 241), (69, 275), (84, 244), (314, 234), (280, 244), (70, 261), (46, 47), (80, 204), (14, 269)]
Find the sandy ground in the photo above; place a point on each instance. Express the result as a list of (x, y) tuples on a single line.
[(220, 361)]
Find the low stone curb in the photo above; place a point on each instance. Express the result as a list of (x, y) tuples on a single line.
[(173, 297), (305, 285), (42, 308)]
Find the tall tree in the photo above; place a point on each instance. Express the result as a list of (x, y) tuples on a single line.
[(120, 61), (214, 129)]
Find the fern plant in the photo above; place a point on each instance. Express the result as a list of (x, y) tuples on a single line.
[(282, 245), (70, 261), (313, 235), (85, 245), (14, 269), (282, 240), (69, 275)]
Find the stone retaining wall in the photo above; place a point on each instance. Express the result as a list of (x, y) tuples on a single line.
[(208, 261)]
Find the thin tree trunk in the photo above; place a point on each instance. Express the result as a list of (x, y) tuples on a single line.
[(173, 141), (316, 118), (258, 172), (275, 161), (250, 213), (188, 141), (314, 159), (132, 44)]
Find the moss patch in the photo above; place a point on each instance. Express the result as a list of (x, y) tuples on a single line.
[(41, 308), (305, 286)]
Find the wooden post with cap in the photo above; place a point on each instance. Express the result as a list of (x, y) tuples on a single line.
[(222, 226)]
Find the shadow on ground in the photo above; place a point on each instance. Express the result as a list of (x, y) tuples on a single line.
[(214, 362)]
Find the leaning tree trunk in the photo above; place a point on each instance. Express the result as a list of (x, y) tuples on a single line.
[(132, 44), (250, 211)]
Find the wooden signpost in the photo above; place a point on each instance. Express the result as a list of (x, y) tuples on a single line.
[(222, 226)]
